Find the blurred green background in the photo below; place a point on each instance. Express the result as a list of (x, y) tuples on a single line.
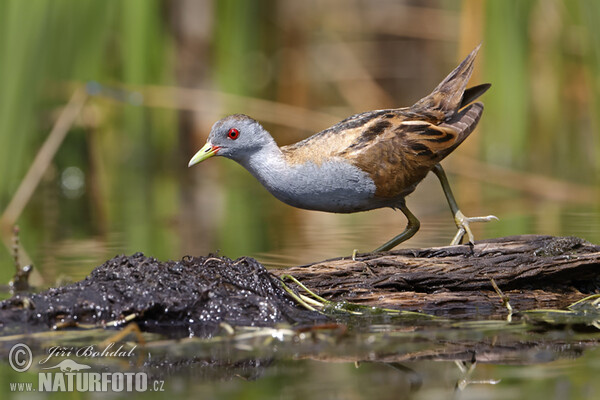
[(157, 74)]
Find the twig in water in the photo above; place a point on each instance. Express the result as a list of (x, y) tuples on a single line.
[(40, 163), (131, 327), (15, 248), (20, 280), (345, 307), (504, 298)]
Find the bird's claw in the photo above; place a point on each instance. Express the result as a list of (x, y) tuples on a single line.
[(462, 223)]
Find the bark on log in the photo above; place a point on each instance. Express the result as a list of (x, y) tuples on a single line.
[(533, 271)]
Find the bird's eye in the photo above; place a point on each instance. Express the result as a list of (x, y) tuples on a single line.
[(233, 134)]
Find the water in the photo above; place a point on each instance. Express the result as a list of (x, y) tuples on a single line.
[(67, 235), (408, 359)]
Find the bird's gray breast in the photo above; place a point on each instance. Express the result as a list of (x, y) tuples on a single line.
[(333, 186)]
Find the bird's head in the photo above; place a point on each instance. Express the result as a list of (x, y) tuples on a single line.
[(236, 137)]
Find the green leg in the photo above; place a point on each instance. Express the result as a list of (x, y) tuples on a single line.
[(462, 222), (411, 228)]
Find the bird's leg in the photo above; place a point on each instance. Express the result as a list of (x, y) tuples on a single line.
[(462, 222), (411, 228)]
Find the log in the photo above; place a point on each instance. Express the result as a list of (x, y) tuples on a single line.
[(199, 294), (533, 271)]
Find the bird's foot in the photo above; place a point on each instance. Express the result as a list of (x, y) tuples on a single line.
[(463, 222)]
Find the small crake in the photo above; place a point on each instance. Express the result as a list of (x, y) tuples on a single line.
[(369, 160)]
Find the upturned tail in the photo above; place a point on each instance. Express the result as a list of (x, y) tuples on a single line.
[(450, 95), (450, 105)]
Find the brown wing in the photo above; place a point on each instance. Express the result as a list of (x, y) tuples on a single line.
[(333, 141), (399, 157), (398, 147)]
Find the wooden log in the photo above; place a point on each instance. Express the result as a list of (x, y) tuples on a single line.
[(533, 271)]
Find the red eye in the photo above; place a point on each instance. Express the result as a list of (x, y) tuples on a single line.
[(233, 134)]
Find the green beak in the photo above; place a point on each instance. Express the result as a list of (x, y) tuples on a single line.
[(205, 152)]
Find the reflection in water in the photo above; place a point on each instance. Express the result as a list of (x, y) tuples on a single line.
[(495, 360), (467, 369)]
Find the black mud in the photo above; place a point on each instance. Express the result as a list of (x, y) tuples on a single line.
[(192, 296)]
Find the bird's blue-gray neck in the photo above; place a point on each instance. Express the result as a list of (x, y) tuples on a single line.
[(267, 165), (335, 184)]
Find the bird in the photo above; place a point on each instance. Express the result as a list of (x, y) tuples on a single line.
[(369, 160)]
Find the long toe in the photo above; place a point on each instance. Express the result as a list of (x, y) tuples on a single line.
[(463, 224)]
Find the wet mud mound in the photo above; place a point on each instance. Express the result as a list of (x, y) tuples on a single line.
[(192, 296)]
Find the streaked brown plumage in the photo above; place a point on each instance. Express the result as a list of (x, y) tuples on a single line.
[(398, 147), (369, 160)]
